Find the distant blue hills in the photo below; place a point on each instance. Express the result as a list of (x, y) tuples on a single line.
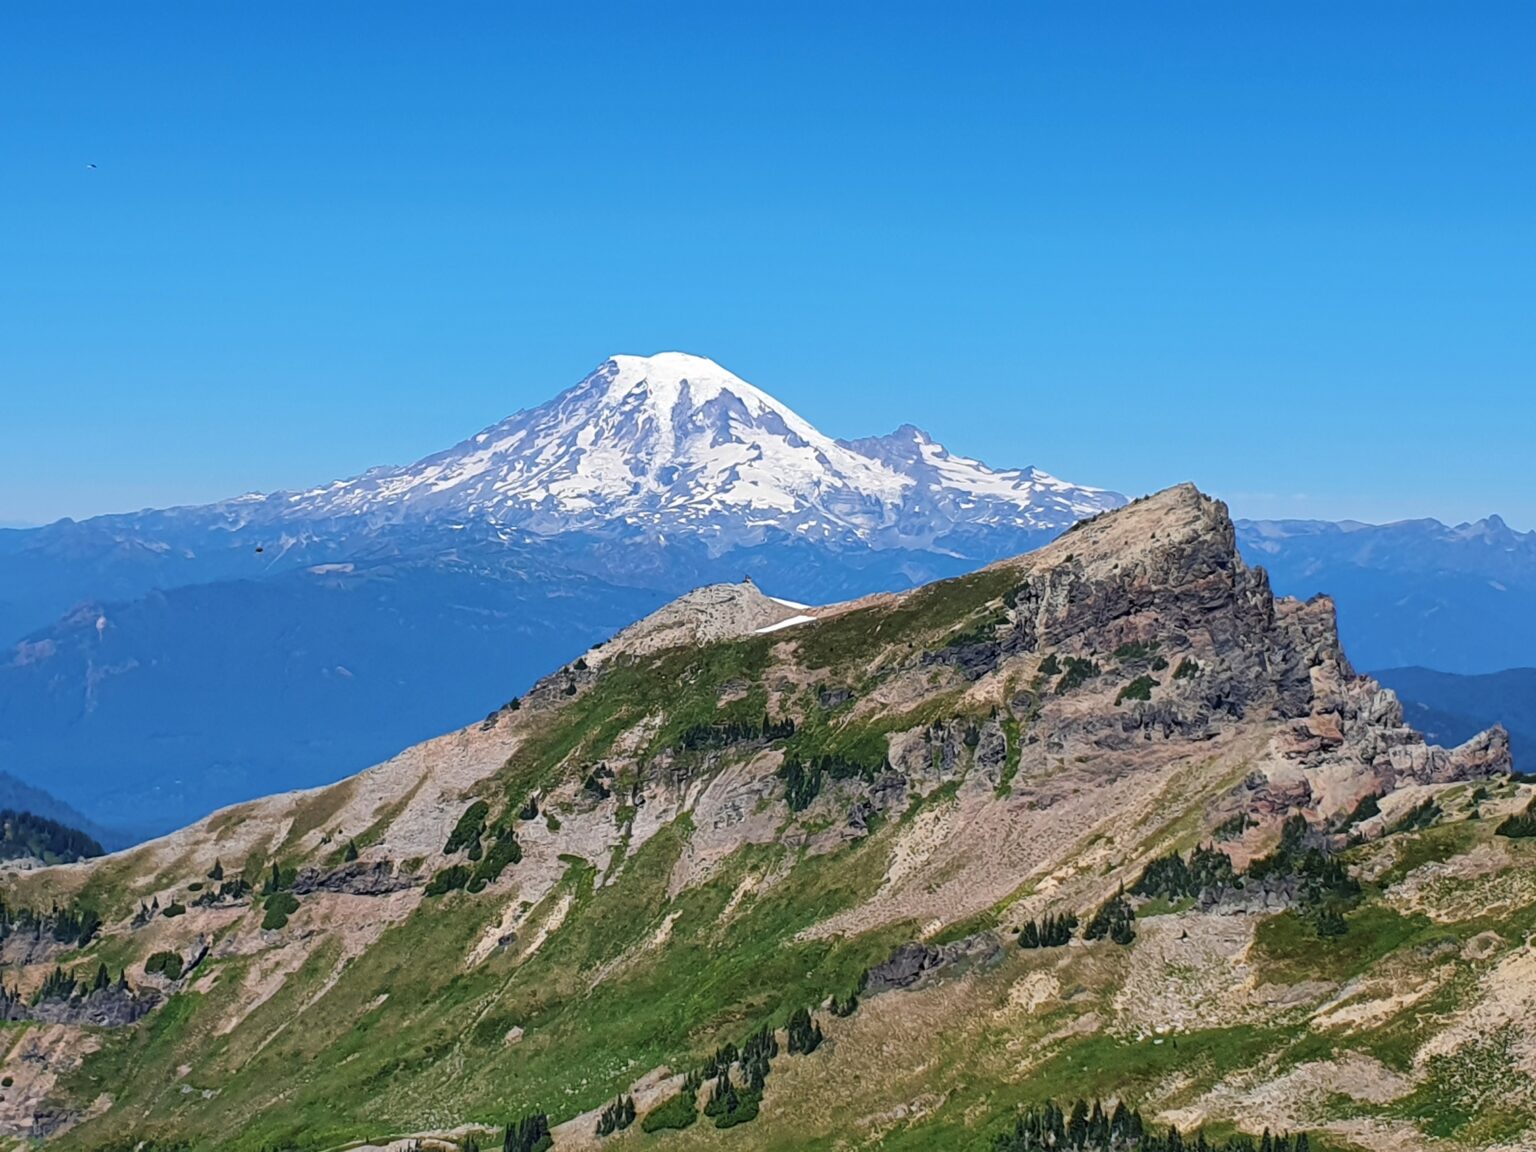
[(1456, 598)]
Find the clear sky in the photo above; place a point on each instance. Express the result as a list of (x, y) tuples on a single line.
[(1286, 250)]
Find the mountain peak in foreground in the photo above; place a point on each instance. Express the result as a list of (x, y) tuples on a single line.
[(1106, 821)]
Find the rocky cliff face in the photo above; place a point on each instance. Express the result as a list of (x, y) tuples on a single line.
[(740, 806)]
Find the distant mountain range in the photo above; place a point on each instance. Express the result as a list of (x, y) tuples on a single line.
[(1417, 592), (170, 661), (165, 662)]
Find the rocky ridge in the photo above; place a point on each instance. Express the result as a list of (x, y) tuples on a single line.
[(935, 769)]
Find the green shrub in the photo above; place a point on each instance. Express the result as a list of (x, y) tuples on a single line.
[(1138, 689), (174, 909), (679, 1112), (167, 964), (1367, 807), (1421, 815), (1187, 667), (1520, 826), (454, 877), (280, 906)]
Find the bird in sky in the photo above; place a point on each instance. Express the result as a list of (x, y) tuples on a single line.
[(89, 165)]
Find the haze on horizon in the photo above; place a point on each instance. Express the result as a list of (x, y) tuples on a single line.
[(1288, 254)]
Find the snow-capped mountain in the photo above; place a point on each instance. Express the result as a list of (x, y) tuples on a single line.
[(676, 442)]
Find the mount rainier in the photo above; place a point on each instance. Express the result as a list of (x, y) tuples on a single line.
[(676, 442)]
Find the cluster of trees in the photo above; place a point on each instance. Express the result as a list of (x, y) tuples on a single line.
[(802, 783), (617, 1116), (803, 778), (23, 834), (1187, 668), (1091, 1127), (74, 923), (1048, 932), (504, 851), (729, 1106), (1234, 826), (490, 863), (804, 1033), (1115, 918), (279, 879), (725, 733), (1324, 887), (1138, 689), (489, 850), (450, 879), (1519, 825), (468, 830), (737, 1076), (530, 1134), (1367, 806), (62, 985), (1174, 877)]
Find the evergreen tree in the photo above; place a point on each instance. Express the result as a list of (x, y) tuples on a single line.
[(804, 1033), (1114, 919), (351, 853), (530, 1134), (617, 1116)]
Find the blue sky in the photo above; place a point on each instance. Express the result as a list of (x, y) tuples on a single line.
[(1286, 250)]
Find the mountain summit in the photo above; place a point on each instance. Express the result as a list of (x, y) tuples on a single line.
[(674, 441)]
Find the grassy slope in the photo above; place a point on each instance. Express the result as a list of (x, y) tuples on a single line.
[(330, 1060)]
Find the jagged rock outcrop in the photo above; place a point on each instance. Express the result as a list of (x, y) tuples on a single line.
[(111, 1007), (910, 964), (357, 878)]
